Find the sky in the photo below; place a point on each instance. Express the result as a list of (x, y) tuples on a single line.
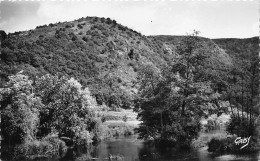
[(213, 18)]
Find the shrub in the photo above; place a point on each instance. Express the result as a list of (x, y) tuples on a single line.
[(114, 22), (128, 131), (215, 145), (68, 26), (121, 130), (124, 118), (51, 24), (104, 132), (122, 28), (38, 27), (80, 26), (228, 145), (103, 118), (212, 124), (57, 143), (241, 127), (85, 39), (84, 138), (47, 147), (109, 21), (102, 19)]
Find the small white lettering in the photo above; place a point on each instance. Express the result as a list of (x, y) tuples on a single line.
[(240, 140)]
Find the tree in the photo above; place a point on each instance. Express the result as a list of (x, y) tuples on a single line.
[(244, 96), (68, 108), (172, 101), (19, 106)]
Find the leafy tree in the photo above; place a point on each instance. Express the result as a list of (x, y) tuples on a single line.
[(244, 96), (19, 106), (172, 101), (68, 107)]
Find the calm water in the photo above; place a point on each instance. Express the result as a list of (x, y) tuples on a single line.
[(132, 149)]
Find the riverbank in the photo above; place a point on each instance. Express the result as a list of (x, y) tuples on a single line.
[(118, 123), (205, 137), (114, 121), (121, 125)]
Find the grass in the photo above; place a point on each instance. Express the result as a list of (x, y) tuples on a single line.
[(120, 128), (118, 123), (118, 115)]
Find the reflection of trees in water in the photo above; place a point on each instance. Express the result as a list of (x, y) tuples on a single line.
[(78, 153), (126, 150), (150, 152)]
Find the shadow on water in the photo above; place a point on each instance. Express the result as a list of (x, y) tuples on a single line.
[(132, 149)]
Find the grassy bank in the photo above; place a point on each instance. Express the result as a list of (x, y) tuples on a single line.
[(212, 127), (205, 137), (118, 123)]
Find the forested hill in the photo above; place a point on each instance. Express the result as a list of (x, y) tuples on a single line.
[(244, 52), (102, 54), (239, 48)]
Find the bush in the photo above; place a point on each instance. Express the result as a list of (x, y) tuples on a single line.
[(215, 145), (56, 143), (51, 25), (85, 39), (84, 138), (47, 147), (128, 131), (102, 20), (124, 118), (109, 21), (121, 130), (80, 26), (228, 145), (241, 127), (212, 125), (103, 118)]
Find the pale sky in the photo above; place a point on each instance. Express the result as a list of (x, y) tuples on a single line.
[(214, 19)]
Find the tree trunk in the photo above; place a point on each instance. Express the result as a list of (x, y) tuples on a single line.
[(161, 125), (242, 97)]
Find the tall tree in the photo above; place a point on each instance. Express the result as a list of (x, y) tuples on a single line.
[(19, 110), (172, 101)]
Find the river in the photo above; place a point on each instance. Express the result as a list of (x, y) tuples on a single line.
[(132, 149)]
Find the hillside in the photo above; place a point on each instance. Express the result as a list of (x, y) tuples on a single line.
[(243, 50), (102, 54), (218, 58)]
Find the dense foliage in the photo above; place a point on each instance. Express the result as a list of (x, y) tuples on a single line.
[(20, 110), (99, 52), (243, 96), (47, 105), (95, 51), (172, 101)]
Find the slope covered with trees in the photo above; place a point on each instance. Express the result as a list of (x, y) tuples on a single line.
[(98, 52)]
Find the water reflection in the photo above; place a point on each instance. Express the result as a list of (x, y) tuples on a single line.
[(133, 149)]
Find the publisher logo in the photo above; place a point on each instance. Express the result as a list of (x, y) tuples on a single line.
[(241, 141)]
